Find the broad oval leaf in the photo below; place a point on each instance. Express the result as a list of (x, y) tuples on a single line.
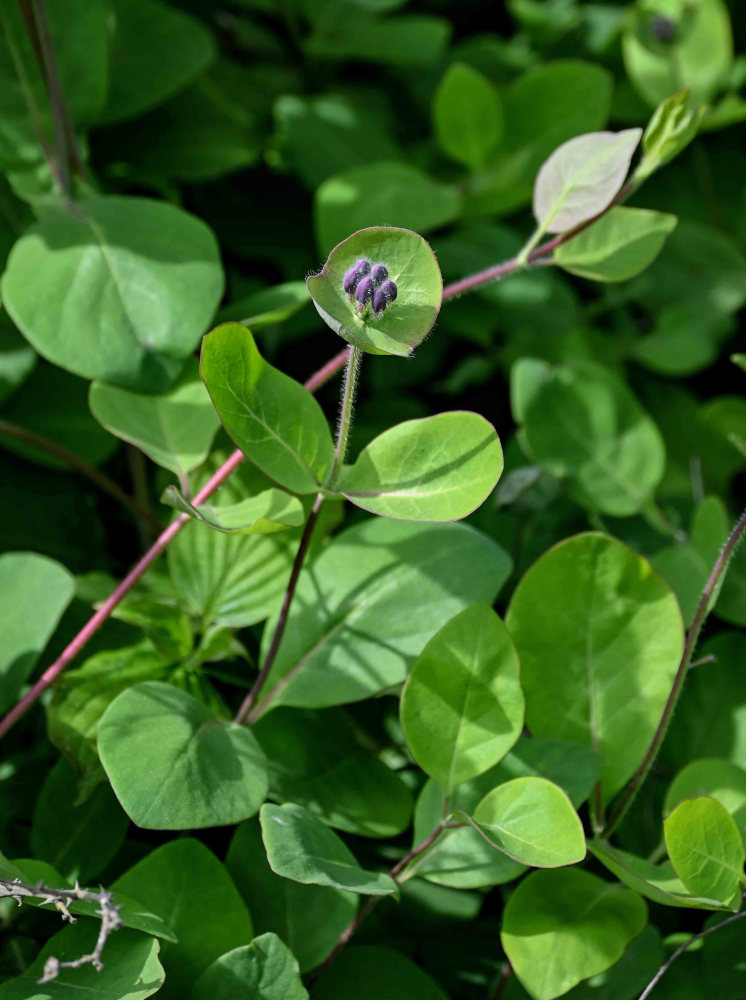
[(411, 265), (532, 820), (155, 50), (267, 512), (131, 970), (302, 848), (376, 193), (119, 289), (317, 760), (720, 779), (275, 422), (583, 424), (658, 883), (599, 635), (560, 927), (434, 469), (462, 706), (468, 116), (34, 592), (379, 577), (581, 177), (706, 849), (308, 918), (175, 428), (617, 246), (176, 880), (201, 771), (266, 969)]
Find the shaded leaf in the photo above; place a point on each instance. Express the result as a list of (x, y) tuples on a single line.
[(266, 967), (468, 116), (263, 514), (302, 848), (201, 771)]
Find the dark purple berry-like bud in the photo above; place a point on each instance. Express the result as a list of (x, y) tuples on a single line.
[(356, 273), (379, 273), (663, 28), (383, 295), (364, 292)]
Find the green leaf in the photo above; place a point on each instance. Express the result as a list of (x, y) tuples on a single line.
[(560, 927), (34, 592), (175, 429), (77, 36), (54, 405), (263, 514), (167, 626), (121, 289), (231, 579), (324, 134), (545, 106), (731, 602), (308, 918), (155, 50), (687, 567), (435, 469), (532, 821), (302, 848), (685, 338), (379, 577), (274, 421), (580, 179), (408, 41), (618, 246), (468, 116), (131, 968), (628, 977), (698, 57), (407, 321), (201, 771), (376, 974), (317, 761), (207, 130), (82, 695), (658, 883), (673, 126), (270, 305), (79, 839), (17, 359), (389, 192), (583, 424), (266, 968), (719, 779), (462, 706), (599, 636), (189, 889), (706, 849)]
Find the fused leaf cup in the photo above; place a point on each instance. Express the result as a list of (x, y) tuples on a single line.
[(411, 266)]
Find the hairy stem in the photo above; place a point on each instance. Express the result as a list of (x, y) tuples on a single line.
[(347, 406), (372, 902), (682, 948), (538, 256), (249, 701), (91, 473), (703, 609)]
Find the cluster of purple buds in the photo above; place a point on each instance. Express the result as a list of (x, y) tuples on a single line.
[(369, 286)]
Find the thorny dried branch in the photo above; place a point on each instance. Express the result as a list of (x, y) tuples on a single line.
[(61, 898)]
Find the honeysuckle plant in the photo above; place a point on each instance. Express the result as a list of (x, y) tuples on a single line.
[(390, 665)]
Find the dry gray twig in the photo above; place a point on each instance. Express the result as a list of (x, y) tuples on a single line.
[(61, 899)]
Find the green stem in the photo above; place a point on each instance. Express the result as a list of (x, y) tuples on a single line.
[(352, 371), (703, 609)]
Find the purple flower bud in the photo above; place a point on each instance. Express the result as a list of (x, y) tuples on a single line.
[(356, 273), (379, 273), (383, 295), (364, 292), (663, 28)]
